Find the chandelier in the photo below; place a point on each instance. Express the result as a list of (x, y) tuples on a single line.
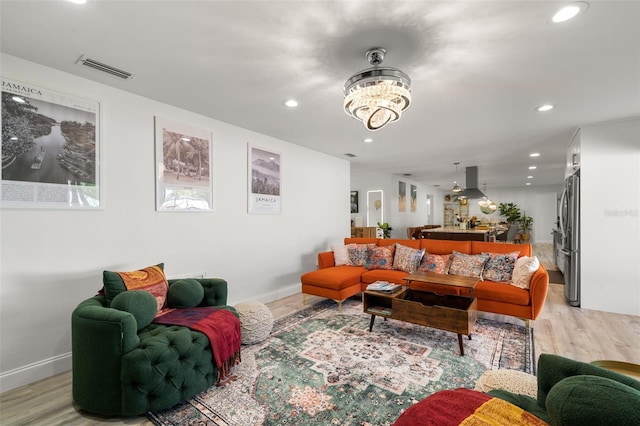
[(378, 95)]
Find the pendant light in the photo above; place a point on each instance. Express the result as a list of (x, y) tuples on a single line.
[(456, 188), (486, 205)]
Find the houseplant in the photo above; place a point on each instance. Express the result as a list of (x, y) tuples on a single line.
[(386, 229), (510, 211), (525, 226)]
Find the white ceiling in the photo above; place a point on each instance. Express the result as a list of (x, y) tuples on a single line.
[(479, 68)]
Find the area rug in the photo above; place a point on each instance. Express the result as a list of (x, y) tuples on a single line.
[(322, 366)]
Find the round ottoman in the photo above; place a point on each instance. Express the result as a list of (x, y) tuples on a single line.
[(256, 322)]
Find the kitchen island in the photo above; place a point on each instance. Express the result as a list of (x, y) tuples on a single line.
[(455, 233)]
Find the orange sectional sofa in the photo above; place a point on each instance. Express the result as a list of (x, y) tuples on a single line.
[(341, 282)]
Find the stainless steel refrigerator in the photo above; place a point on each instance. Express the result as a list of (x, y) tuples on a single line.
[(570, 228)]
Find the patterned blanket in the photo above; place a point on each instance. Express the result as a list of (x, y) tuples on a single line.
[(466, 407), (221, 327)]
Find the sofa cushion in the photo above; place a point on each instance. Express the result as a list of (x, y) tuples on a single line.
[(185, 293), (336, 278), (445, 246), (436, 263), (141, 304), (358, 254), (392, 276), (149, 279), (593, 400), (467, 265), (380, 257), (407, 259), (523, 270), (340, 255), (499, 267), (500, 292)]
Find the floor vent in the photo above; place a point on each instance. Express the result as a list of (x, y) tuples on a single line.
[(100, 66)]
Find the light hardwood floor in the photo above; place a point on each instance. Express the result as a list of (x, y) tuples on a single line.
[(576, 333)]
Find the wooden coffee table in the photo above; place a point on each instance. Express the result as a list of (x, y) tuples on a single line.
[(451, 280), (452, 313)]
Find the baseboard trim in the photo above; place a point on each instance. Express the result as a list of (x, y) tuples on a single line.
[(281, 293), (34, 372)]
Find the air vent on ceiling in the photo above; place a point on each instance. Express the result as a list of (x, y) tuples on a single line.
[(348, 154), (100, 66)]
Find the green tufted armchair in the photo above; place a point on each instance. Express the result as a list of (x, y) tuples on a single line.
[(120, 370)]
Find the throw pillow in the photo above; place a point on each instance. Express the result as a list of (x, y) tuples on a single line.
[(340, 254), (467, 265), (523, 270), (358, 254), (499, 267), (150, 279), (407, 259), (185, 293), (436, 263), (380, 257), (141, 304)]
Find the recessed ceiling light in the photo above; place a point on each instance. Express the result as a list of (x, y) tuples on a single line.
[(291, 103), (78, 1), (529, 177), (544, 108), (534, 154), (367, 140), (532, 167), (570, 11), (528, 184)]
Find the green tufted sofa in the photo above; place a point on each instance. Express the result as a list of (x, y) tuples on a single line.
[(122, 371)]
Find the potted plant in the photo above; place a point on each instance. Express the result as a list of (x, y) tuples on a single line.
[(525, 226), (510, 211), (386, 229)]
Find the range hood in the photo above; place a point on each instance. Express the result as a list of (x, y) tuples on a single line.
[(471, 191)]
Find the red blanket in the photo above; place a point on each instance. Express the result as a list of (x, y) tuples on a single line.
[(221, 327)]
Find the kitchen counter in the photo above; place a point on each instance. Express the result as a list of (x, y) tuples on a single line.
[(455, 233)]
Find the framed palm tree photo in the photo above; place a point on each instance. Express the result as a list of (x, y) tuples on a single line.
[(183, 167)]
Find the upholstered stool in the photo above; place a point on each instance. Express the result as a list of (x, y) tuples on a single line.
[(513, 381), (256, 322)]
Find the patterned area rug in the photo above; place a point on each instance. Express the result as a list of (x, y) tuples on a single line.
[(321, 366)]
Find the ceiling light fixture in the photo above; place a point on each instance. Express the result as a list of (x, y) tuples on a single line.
[(486, 205), (291, 103), (532, 167), (570, 11), (377, 95), (367, 140), (544, 108), (534, 154), (456, 188)]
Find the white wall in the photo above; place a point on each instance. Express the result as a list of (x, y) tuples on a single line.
[(610, 218), (399, 221), (53, 259)]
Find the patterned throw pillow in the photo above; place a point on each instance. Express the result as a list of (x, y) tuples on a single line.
[(467, 265), (380, 257), (407, 259), (340, 254), (358, 254), (499, 267), (436, 263), (150, 279), (523, 270)]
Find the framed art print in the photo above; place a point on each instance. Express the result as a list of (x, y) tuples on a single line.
[(50, 149), (183, 167), (265, 185)]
